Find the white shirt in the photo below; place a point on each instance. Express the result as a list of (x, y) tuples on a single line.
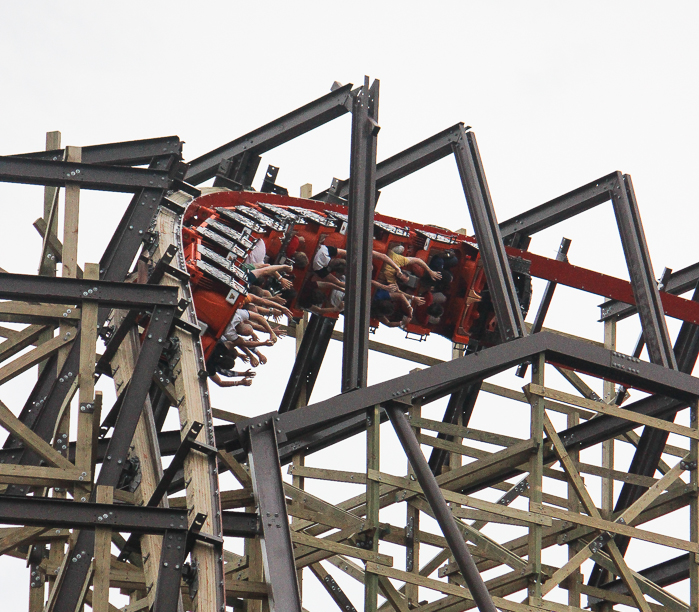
[(230, 334), (322, 258), (257, 254), (337, 297)]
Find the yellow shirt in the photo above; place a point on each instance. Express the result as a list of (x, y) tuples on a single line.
[(390, 272)]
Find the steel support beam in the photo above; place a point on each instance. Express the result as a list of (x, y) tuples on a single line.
[(128, 153), (441, 510), (268, 486), (360, 235), (273, 134), (57, 290), (619, 189), (86, 176), (495, 264), (406, 162), (561, 208), (172, 556), (443, 379)]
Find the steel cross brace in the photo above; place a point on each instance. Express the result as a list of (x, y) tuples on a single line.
[(268, 486), (545, 303), (360, 234)]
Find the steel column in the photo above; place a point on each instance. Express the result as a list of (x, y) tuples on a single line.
[(172, 556), (495, 264), (444, 517), (277, 549), (643, 283), (360, 234)]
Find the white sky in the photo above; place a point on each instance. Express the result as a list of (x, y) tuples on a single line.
[(558, 94)]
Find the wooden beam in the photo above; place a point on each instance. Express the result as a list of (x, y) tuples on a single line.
[(89, 405), (602, 408), (340, 549), (30, 359), (103, 556), (39, 476), (54, 245), (20, 536), (32, 441), (21, 340)]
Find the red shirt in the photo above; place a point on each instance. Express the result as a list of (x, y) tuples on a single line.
[(292, 247), (421, 314)]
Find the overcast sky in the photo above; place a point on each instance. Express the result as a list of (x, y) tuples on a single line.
[(558, 94)]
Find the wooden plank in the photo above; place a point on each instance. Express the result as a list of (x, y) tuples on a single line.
[(19, 537), (236, 468), (484, 545), (38, 475), (622, 413), (227, 416), (102, 556), (463, 500), (373, 502), (54, 245), (482, 469), (535, 480), (200, 470), (613, 527), (89, 406), (583, 494), (246, 589), (32, 441), (464, 432), (30, 312), (325, 474), (22, 340), (71, 220), (412, 521), (340, 549), (450, 589), (33, 357)]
